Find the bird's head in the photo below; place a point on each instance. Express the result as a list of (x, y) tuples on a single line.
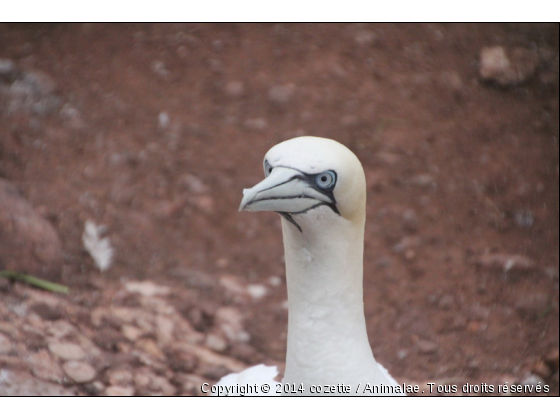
[(308, 174)]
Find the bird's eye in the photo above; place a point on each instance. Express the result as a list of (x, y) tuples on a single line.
[(267, 168), (326, 180)]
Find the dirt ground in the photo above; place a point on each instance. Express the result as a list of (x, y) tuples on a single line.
[(154, 130)]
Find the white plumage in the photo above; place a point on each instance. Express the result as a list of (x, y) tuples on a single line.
[(318, 187)]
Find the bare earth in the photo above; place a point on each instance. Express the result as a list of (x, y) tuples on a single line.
[(154, 130)]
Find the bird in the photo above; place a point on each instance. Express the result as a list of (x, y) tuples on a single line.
[(318, 187)]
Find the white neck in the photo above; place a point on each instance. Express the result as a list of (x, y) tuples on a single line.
[(327, 338)]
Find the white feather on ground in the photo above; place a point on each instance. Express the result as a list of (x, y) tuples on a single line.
[(99, 248)]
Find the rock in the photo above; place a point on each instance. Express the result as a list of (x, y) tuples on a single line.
[(216, 342), (5, 344), (257, 291), (26, 91), (79, 372), (281, 94), (230, 321), (407, 243), (151, 348), (532, 379), (426, 347), (43, 366), (131, 333), (234, 287), (66, 351), (165, 328), (161, 386), (506, 262), (508, 66), (424, 181), (365, 37), (146, 288), (21, 384), (60, 329), (119, 391), (94, 388), (235, 88), (120, 377), (256, 124), (28, 242)]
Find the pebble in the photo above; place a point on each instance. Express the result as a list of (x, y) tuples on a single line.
[(79, 372), (120, 377), (66, 351), (256, 124), (508, 66), (5, 344), (43, 366), (230, 321), (235, 88), (257, 291), (216, 342), (281, 94), (119, 391), (532, 379), (426, 347), (146, 288), (506, 262)]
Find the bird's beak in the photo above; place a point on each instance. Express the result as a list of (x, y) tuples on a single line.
[(284, 190)]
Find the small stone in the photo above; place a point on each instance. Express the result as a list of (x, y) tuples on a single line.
[(146, 288), (230, 321), (426, 347), (508, 67), (60, 329), (365, 37), (281, 94), (119, 391), (532, 379), (162, 386), (216, 342), (94, 388), (163, 120), (79, 372), (66, 351), (235, 88), (275, 281), (120, 377), (424, 181), (506, 262), (151, 348), (44, 367), (446, 301), (256, 124), (131, 333), (5, 344), (257, 291)]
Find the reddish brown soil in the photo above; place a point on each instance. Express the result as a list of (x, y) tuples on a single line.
[(457, 170)]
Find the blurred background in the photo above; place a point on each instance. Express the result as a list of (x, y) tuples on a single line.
[(152, 131)]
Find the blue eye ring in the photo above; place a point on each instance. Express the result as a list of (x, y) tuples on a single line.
[(267, 168), (326, 180)]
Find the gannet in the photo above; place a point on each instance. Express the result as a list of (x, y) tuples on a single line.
[(318, 187)]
